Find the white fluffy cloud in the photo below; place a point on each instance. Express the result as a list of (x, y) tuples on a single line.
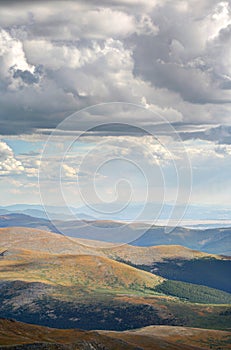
[(12, 165), (12, 60), (8, 163)]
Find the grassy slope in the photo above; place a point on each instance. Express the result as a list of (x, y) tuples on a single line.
[(34, 239), (12, 333), (39, 240), (74, 270), (209, 240), (55, 243), (158, 337), (95, 273), (150, 255), (97, 280), (206, 339), (95, 287)]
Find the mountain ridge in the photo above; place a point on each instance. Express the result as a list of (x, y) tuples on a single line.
[(162, 337), (212, 241)]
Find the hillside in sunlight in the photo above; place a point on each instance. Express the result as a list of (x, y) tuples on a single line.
[(212, 241), (93, 291), (169, 261), (148, 338)]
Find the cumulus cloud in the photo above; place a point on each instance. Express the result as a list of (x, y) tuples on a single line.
[(182, 57), (172, 57), (13, 62), (8, 163), (20, 165)]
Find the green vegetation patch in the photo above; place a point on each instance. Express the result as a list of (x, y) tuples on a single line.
[(194, 293)]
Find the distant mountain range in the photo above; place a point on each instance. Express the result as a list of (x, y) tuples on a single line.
[(38, 211), (213, 241), (22, 220), (204, 216)]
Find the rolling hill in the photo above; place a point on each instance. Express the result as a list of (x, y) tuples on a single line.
[(44, 241), (178, 263), (70, 270), (180, 336), (17, 335), (148, 338), (172, 262), (90, 291), (212, 241), (22, 220), (40, 240)]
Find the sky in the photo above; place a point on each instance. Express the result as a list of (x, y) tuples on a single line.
[(118, 101)]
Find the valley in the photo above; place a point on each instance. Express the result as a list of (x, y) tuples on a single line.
[(52, 280), (64, 282), (211, 241)]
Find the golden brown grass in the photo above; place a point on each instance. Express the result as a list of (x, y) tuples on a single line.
[(148, 338), (73, 270)]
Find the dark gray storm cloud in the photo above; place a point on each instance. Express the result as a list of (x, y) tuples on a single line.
[(58, 57)]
